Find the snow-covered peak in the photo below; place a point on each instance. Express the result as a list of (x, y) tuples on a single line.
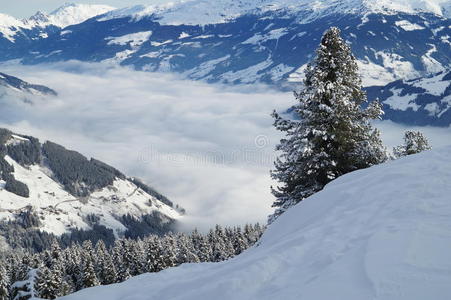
[(9, 21), (66, 15), (39, 17), (9, 26), (210, 12), (70, 14)]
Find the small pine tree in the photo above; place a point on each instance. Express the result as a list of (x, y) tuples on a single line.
[(48, 284), (168, 251), (89, 274), (414, 142), (218, 245), (108, 272), (186, 251), (333, 135), (204, 249), (239, 243), (153, 261), (123, 273), (26, 288)]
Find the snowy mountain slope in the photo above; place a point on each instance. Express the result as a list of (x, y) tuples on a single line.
[(13, 83), (270, 47), (68, 14), (421, 101), (9, 26), (244, 41), (380, 233), (203, 12), (64, 191)]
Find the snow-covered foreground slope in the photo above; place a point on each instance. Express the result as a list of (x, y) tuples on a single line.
[(380, 233)]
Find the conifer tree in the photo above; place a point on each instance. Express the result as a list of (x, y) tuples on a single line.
[(48, 284), (186, 251), (414, 142), (77, 267), (204, 250), (218, 246), (168, 251), (152, 252), (239, 242), (133, 254), (333, 134), (26, 288), (108, 272), (89, 275), (123, 273)]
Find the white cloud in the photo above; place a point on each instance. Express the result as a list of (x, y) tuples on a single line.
[(209, 148)]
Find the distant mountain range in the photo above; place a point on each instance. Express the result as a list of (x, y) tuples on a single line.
[(47, 191), (251, 41), (238, 41)]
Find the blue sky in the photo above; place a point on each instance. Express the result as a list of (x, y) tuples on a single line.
[(26, 8)]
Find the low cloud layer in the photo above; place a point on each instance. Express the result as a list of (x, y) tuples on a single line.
[(207, 147)]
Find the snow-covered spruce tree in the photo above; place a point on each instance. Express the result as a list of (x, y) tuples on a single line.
[(186, 251), (204, 249), (105, 268), (26, 288), (48, 283), (333, 135), (89, 274), (108, 271), (414, 142), (239, 242), (168, 251)]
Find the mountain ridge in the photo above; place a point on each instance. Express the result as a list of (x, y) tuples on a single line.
[(181, 12), (250, 42), (16, 83), (65, 192)]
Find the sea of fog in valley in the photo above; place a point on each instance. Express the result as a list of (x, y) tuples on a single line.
[(207, 147)]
